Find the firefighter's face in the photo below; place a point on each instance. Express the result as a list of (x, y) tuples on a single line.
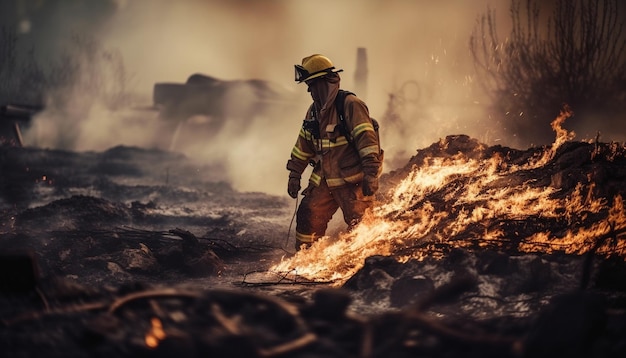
[(313, 87)]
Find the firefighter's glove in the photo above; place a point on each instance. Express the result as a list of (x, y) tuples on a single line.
[(293, 187), (369, 185)]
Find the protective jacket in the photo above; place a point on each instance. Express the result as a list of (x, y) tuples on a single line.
[(323, 143)]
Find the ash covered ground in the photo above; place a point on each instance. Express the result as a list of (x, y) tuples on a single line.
[(137, 252)]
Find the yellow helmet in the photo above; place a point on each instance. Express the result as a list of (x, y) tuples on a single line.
[(314, 66)]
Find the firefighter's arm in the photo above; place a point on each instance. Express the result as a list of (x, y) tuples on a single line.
[(364, 136), (301, 153), (367, 144)]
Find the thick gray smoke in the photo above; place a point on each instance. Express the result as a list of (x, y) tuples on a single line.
[(417, 51)]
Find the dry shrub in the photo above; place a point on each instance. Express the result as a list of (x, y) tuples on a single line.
[(576, 55)]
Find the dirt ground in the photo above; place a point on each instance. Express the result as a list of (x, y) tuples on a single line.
[(138, 252)]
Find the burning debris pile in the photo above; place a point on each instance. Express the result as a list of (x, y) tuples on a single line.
[(472, 250), (459, 193)]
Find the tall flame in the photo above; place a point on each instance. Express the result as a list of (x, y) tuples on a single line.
[(562, 136)]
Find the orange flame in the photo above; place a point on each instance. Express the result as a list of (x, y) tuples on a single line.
[(474, 194), (581, 240), (562, 136)]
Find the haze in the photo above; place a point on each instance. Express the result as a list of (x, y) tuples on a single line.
[(418, 49)]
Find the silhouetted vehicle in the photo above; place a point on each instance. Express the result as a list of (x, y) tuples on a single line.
[(201, 108)]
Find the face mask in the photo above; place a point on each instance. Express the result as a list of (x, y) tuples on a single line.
[(314, 89)]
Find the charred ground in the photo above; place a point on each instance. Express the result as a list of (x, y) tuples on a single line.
[(142, 252)]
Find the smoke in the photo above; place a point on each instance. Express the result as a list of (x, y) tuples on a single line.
[(417, 52)]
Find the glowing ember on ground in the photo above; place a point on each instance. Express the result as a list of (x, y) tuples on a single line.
[(155, 334)]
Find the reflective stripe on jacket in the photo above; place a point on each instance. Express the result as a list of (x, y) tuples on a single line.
[(336, 159)]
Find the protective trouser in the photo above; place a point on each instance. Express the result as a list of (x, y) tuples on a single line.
[(320, 204)]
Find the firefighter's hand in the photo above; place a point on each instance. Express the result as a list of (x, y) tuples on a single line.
[(369, 185), (293, 187)]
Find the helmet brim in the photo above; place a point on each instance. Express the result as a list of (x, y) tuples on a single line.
[(319, 74)]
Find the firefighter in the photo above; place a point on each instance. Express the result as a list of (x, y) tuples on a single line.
[(346, 159)]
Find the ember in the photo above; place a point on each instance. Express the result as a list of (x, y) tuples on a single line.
[(155, 334)]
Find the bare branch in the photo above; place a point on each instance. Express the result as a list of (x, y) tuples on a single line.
[(577, 55)]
